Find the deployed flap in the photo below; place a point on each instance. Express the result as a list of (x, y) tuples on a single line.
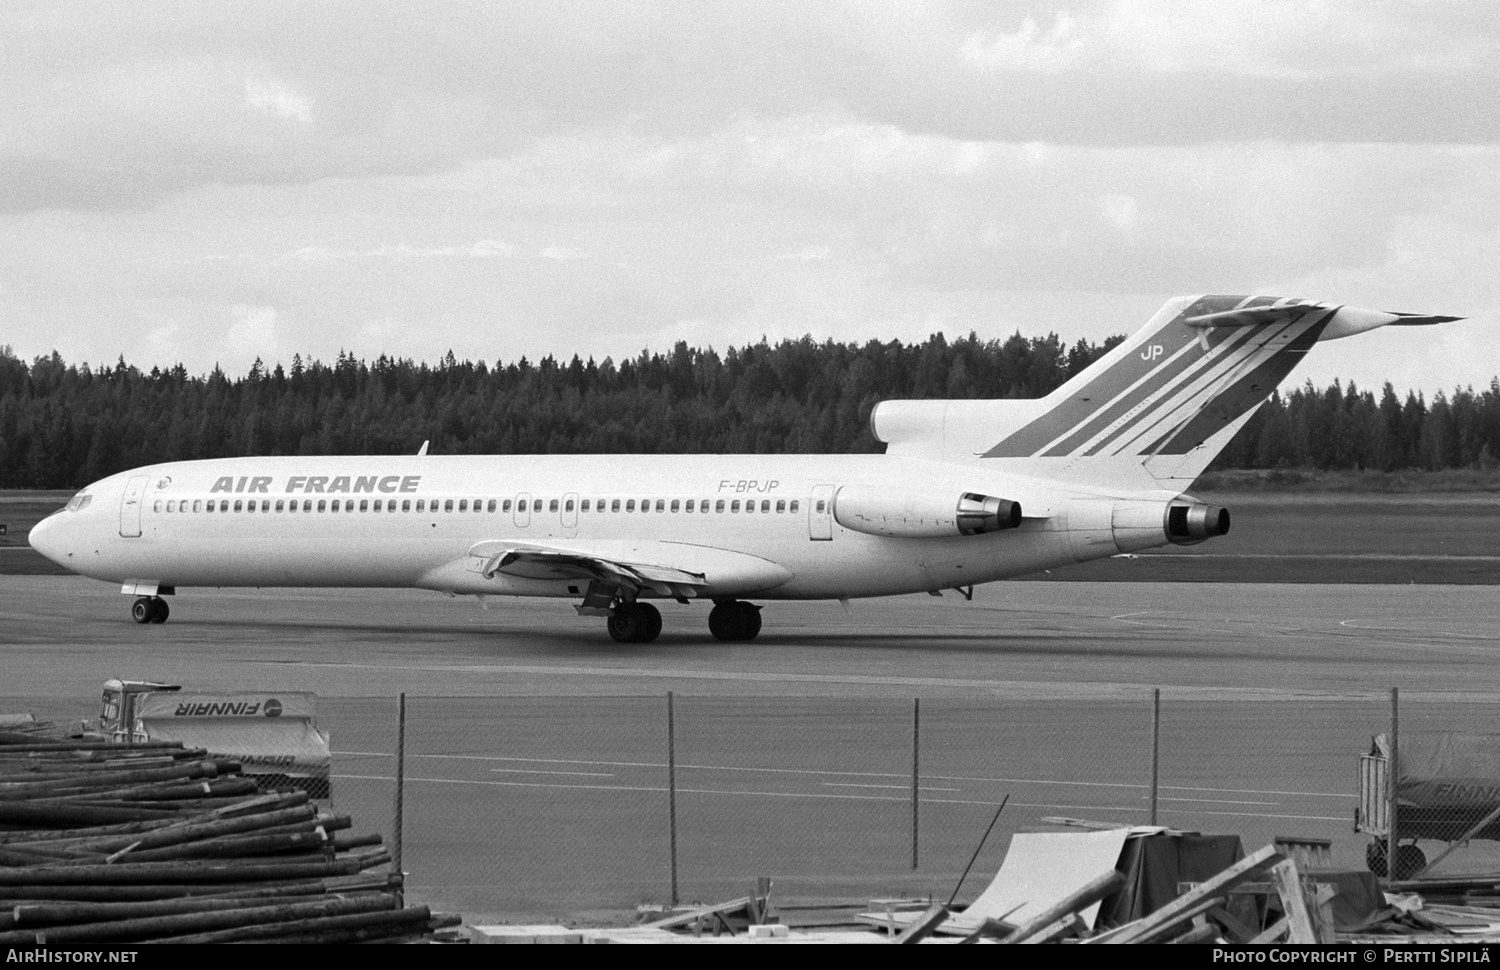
[(668, 568)]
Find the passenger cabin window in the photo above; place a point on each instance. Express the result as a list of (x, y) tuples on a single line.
[(323, 505), (552, 506), (780, 505), (568, 505), (795, 504), (448, 505), (238, 504), (819, 506), (492, 505), (463, 505), (734, 506), (585, 506), (765, 505), (614, 506), (689, 505), (661, 505), (630, 506), (406, 505), (719, 505), (364, 505)]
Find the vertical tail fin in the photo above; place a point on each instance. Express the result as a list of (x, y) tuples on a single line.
[(1168, 399)]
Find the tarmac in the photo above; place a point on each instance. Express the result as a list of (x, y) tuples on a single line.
[(537, 754)]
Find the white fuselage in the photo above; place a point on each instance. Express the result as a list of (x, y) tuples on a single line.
[(789, 547)]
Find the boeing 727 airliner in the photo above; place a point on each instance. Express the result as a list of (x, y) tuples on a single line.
[(968, 492)]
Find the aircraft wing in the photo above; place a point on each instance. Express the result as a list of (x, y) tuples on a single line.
[(675, 569)]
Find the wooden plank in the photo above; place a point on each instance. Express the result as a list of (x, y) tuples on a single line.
[(1082, 823), (1199, 934), (1293, 902), (1166, 931), (923, 927), (1081, 898), (1071, 923), (696, 913), (1273, 933), (1173, 913), (1237, 930)]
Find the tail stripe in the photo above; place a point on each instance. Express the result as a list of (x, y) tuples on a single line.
[(1189, 397), (1221, 347), (1238, 400), (1175, 395)]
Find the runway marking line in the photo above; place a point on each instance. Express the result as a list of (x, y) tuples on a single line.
[(856, 774), (828, 796), (539, 771), (852, 784)]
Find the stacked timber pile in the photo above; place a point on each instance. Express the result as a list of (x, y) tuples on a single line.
[(157, 843)]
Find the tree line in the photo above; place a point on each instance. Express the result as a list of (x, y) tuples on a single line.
[(63, 425)]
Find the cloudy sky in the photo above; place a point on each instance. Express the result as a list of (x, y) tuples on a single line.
[(212, 182)]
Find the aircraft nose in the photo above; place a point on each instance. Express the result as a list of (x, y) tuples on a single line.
[(47, 538)]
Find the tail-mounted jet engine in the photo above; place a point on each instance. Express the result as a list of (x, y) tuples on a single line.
[(1189, 522), (878, 512), (1103, 528)]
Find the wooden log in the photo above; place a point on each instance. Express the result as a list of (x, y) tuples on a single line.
[(1081, 898), (108, 779), (389, 919), (63, 816), (240, 846), (153, 927), (29, 915), (19, 895), (218, 871), (188, 830)]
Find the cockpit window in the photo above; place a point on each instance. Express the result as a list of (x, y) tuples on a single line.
[(79, 502)]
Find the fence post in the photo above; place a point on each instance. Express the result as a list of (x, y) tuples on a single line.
[(1155, 747), (672, 791), (398, 811), (916, 735), (1392, 768)]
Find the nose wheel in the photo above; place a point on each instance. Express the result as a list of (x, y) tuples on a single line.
[(734, 620), (150, 609)]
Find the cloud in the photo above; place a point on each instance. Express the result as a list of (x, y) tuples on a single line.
[(271, 97), (251, 335)]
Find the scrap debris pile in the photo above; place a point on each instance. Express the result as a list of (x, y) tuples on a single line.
[(155, 842)]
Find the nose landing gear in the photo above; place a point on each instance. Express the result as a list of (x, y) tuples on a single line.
[(149, 609)]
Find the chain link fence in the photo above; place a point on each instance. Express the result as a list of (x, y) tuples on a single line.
[(521, 807)]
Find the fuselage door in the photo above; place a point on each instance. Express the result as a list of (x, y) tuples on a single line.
[(820, 512), (523, 510), (130, 506)]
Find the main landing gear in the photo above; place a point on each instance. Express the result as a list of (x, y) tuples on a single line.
[(635, 623), (641, 622), (734, 620), (149, 609)]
